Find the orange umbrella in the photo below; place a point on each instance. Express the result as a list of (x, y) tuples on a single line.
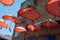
[(12, 18), (3, 24), (20, 30), (53, 7), (33, 27), (7, 2), (29, 13), (7, 17), (49, 23), (16, 20)]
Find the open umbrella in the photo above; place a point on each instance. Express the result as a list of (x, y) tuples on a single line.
[(3, 24), (53, 7), (7, 17), (16, 20), (33, 27), (7, 2), (20, 30), (12, 18), (49, 23), (29, 13)]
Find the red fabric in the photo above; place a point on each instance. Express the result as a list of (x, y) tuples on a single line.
[(7, 2), (29, 13), (33, 27), (7, 17), (3, 24), (49, 24), (16, 20), (12, 18), (53, 7), (20, 30)]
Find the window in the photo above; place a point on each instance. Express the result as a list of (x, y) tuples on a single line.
[(50, 37)]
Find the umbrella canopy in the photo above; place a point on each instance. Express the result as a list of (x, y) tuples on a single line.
[(53, 7), (29, 13), (7, 2), (16, 20), (20, 30), (12, 18), (3, 24), (49, 23), (33, 27), (7, 17)]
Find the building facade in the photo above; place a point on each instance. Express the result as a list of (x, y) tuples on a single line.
[(5, 37), (45, 33)]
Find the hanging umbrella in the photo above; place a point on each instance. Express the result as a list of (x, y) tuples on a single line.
[(29, 13), (20, 30), (12, 18), (49, 23), (53, 7), (3, 24), (7, 2), (33, 27), (16, 20), (7, 17)]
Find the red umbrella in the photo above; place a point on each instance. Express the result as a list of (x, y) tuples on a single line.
[(3, 24), (7, 17), (49, 23), (12, 18), (20, 30), (7, 2), (16, 20), (29, 13), (33, 27), (53, 7)]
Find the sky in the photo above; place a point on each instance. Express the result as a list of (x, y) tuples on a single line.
[(13, 9)]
